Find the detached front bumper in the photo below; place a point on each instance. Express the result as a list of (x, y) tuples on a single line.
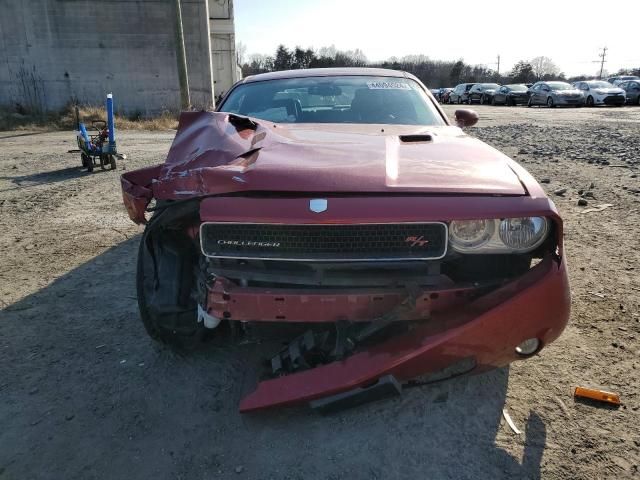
[(485, 330)]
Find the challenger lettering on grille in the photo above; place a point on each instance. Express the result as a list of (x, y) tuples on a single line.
[(248, 243), (325, 242)]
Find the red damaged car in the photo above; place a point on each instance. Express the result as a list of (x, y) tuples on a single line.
[(341, 207)]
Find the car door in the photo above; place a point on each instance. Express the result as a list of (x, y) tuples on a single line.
[(535, 92), (633, 91), (501, 95), (543, 91), (453, 96)]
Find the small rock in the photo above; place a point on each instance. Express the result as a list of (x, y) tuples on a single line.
[(545, 180), (582, 202), (239, 469), (560, 192), (69, 417), (33, 391), (592, 185), (633, 175)]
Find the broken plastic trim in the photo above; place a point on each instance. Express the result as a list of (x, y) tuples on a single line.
[(385, 387)]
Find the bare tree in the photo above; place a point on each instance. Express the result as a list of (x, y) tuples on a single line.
[(544, 67), (241, 51)]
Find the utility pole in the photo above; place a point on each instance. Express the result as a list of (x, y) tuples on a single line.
[(498, 70), (602, 56), (183, 78)]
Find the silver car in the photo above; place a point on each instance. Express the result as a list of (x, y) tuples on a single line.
[(553, 94), (599, 92)]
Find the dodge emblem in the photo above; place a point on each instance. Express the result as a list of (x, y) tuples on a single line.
[(318, 205)]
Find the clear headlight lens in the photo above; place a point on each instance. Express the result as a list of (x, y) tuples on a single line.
[(523, 233), (470, 234), (508, 235)]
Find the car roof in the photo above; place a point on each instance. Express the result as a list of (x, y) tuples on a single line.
[(327, 72)]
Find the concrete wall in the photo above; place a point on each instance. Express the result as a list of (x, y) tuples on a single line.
[(226, 72), (53, 51)]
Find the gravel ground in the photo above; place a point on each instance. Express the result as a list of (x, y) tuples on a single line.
[(85, 394)]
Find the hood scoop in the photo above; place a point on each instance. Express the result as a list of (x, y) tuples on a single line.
[(416, 138)]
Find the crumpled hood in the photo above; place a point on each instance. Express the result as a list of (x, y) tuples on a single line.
[(216, 153)]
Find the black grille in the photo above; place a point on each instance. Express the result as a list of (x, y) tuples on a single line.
[(614, 100), (389, 241)]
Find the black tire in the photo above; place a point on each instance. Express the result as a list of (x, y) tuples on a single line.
[(550, 103), (112, 162), (85, 160), (493, 100), (589, 101), (188, 339), (459, 100), (506, 102), (529, 103), (103, 161), (482, 100), (89, 164)]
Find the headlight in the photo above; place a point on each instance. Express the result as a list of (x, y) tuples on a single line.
[(468, 235), (523, 233), (508, 235)]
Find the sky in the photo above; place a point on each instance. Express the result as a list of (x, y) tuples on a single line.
[(569, 32)]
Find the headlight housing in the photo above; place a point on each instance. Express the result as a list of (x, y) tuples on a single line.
[(507, 235)]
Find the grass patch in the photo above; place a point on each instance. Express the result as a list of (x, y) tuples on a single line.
[(66, 120)]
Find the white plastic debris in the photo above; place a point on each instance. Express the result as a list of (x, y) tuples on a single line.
[(208, 320), (512, 425)]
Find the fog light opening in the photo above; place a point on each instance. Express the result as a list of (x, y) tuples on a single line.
[(528, 347)]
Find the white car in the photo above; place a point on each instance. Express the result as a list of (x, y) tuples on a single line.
[(599, 92)]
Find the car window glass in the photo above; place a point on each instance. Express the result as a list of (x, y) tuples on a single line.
[(336, 99)]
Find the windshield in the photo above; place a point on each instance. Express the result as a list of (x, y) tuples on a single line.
[(599, 84), (518, 88), (338, 99), (490, 86), (559, 86)]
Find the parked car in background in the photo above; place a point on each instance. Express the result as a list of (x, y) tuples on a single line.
[(599, 92), (511, 95), (622, 78), (460, 94), (553, 94), (632, 91), (436, 93), (444, 95), (482, 93)]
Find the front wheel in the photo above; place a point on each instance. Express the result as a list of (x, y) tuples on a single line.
[(529, 104), (550, 103), (164, 281), (589, 101)]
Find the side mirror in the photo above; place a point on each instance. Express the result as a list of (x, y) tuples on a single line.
[(466, 118)]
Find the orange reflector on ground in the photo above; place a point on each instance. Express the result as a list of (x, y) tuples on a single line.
[(598, 395)]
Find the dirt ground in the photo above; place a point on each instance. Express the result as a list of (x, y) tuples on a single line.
[(85, 394)]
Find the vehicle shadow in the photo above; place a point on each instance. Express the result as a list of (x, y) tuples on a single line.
[(53, 176), (86, 394)]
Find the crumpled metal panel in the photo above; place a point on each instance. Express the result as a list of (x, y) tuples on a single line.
[(216, 153)]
